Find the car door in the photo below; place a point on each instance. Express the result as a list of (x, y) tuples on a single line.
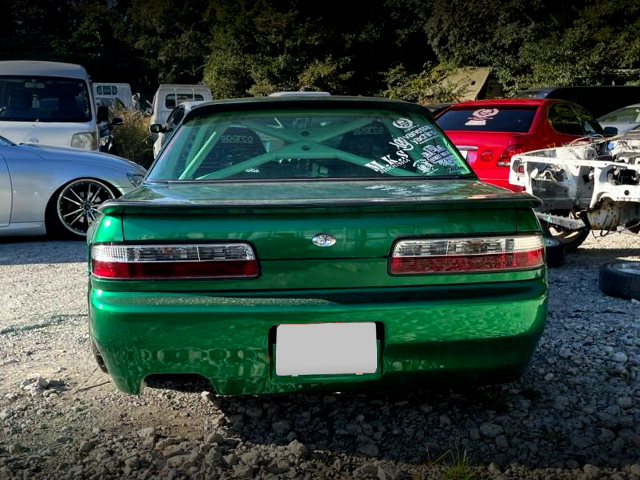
[(172, 123), (564, 121), (5, 193), (590, 125)]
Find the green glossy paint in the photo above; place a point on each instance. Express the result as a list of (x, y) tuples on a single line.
[(431, 334), (443, 328), (211, 185)]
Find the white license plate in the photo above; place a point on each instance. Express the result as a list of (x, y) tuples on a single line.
[(326, 348), (464, 153)]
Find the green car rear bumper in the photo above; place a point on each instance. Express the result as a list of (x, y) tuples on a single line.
[(432, 335)]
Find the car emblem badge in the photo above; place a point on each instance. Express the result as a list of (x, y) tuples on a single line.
[(34, 140), (323, 240)]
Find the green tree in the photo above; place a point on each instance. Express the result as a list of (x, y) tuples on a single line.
[(174, 37), (262, 46)]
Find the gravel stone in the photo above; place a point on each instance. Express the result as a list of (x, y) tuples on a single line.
[(491, 430), (298, 449), (282, 427), (214, 438), (147, 432), (370, 449), (389, 472), (173, 451), (87, 446), (571, 416), (625, 402)]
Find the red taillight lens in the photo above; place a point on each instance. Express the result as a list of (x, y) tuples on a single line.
[(229, 260), (510, 151), (466, 255), (486, 156)]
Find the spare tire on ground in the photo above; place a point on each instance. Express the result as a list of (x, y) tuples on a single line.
[(621, 279), (554, 251)]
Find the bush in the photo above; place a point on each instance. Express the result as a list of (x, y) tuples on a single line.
[(429, 86), (132, 138)]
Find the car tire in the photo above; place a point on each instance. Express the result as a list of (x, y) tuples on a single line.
[(554, 252), (64, 198), (98, 357), (621, 279), (570, 239)]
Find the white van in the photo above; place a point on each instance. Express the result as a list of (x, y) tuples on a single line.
[(168, 96), (47, 103), (111, 91)]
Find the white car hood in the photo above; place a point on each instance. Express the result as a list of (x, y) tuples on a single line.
[(84, 156), (43, 133)]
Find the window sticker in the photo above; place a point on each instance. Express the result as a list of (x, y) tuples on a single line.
[(439, 155), (424, 166), (243, 139), (403, 123), (370, 130), (401, 143), (388, 163), (480, 117)]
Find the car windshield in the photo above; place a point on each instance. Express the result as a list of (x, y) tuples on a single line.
[(624, 115), (308, 144), (488, 118), (43, 99)]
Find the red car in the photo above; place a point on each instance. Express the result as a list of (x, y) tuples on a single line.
[(489, 132)]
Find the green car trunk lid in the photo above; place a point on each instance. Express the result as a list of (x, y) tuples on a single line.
[(280, 220)]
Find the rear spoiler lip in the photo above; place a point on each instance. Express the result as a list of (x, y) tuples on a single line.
[(516, 200)]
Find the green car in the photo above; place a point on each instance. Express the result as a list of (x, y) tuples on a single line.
[(315, 243)]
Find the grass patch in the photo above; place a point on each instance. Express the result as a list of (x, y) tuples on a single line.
[(453, 466)]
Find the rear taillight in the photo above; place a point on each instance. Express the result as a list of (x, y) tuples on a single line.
[(486, 156), (510, 151), (220, 260), (466, 255)]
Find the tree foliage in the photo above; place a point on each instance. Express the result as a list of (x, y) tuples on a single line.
[(398, 48)]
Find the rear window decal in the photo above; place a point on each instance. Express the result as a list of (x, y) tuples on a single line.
[(403, 123), (370, 130), (389, 162), (480, 117), (401, 143)]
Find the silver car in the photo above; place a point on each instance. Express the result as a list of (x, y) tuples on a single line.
[(624, 119), (58, 190)]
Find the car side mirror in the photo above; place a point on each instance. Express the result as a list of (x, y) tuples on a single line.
[(156, 128), (102, 114), (116, 121), (610, 131)]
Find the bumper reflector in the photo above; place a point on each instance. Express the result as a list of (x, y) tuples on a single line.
[(222, 260), (467, 255)]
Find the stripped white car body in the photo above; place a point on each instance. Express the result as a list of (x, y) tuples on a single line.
[(593, 185)]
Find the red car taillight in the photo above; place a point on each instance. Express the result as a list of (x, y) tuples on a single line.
[(466, 255), (216, 260), (510, 151), (486, 156)]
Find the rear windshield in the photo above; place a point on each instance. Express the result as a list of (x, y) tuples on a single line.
[(43, 99), (174, 99), (308, 144), (624, 115), (488, 119)]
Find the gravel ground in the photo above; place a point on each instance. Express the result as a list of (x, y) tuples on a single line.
[(573, 415)]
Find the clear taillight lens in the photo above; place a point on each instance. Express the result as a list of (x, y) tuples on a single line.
[(466, 255), (220, 260)]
